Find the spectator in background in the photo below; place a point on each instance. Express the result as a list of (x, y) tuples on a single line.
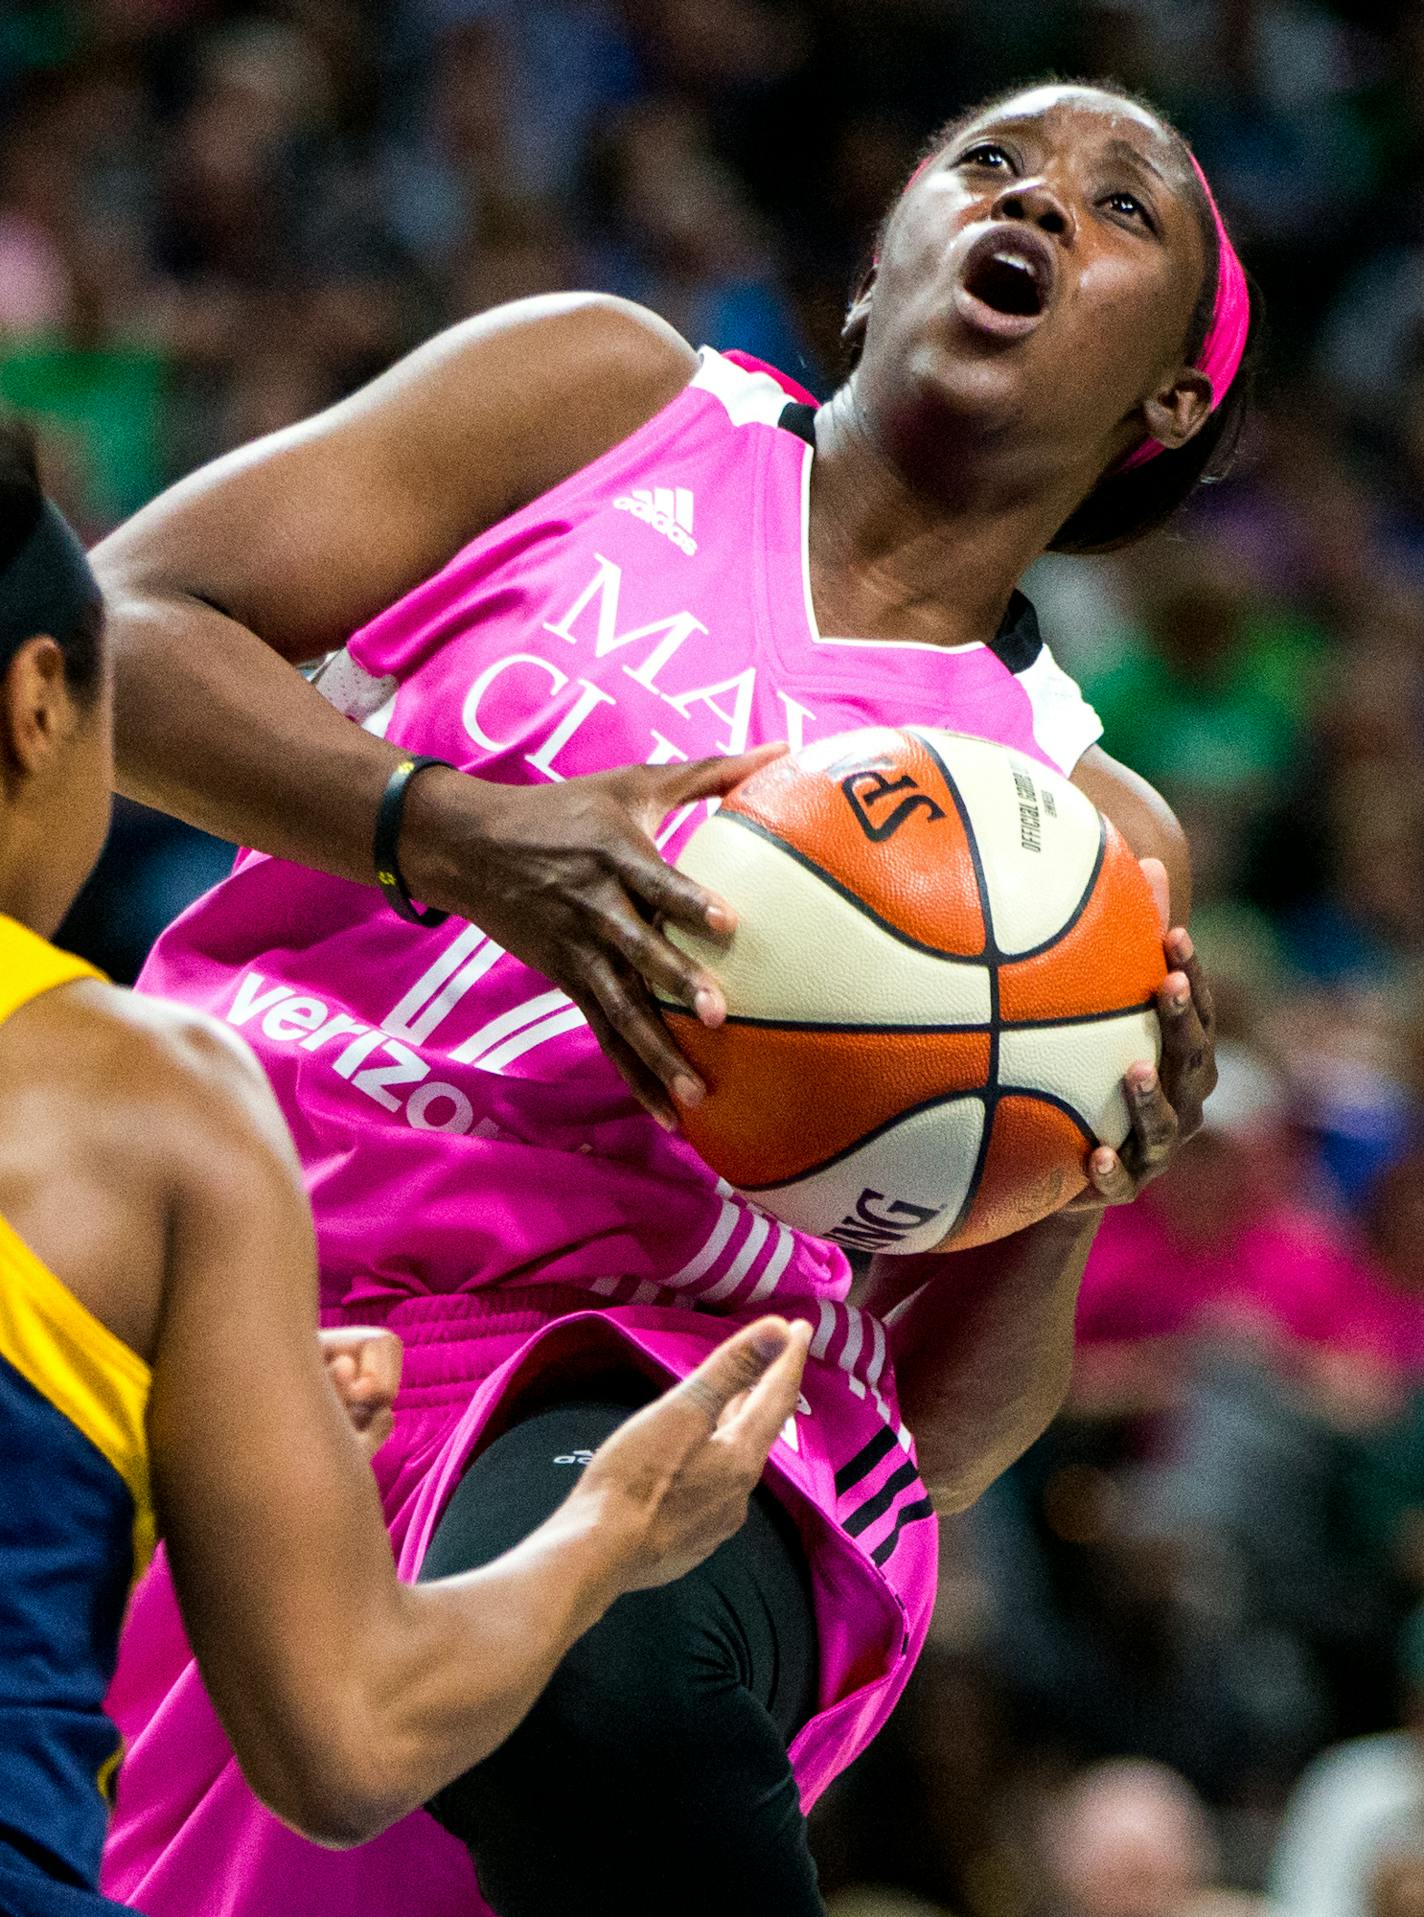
[(1356, 1819), (1130, 1839)]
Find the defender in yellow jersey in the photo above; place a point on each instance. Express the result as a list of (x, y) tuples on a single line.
[(157, 1311)]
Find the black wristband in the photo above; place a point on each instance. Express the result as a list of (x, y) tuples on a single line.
[(387, 838)]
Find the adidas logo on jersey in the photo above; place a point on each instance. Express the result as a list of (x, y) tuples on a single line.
[(666, 509)]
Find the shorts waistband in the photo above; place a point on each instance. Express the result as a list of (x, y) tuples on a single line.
[(453, 1339)]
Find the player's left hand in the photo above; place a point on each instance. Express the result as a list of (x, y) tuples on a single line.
[(364, 1366), (1164, 1101)]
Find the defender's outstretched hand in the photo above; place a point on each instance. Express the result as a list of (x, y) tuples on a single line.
[(680, 1472), (569, 879)]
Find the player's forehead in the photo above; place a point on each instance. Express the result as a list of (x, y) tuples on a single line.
[(1061, 112)]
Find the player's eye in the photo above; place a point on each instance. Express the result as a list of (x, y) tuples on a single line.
[(1131, 207), (987, 154)]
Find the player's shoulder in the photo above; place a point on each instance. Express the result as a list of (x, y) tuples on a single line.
[(145, 1057), (502, 407), (590, 350)]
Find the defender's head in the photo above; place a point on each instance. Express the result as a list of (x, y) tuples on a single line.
[(56, 749)]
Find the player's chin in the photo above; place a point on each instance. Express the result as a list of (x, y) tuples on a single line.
[(995, 385)]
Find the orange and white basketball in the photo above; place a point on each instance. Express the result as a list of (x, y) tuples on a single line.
[(945, 961)]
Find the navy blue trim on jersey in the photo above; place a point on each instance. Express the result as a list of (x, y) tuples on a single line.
[(66, 1563)]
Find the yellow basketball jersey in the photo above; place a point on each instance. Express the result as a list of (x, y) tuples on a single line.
[(76, 1515)]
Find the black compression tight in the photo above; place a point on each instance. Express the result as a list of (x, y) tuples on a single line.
[(651, 1779)]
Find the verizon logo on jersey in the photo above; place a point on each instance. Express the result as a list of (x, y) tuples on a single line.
[(667, 509)]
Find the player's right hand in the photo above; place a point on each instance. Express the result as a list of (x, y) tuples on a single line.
[(567, 878), (678, 1474)]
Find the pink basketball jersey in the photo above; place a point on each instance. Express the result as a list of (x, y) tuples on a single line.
[(655, 607), (477, 1171)]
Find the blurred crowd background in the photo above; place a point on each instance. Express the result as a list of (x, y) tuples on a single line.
[(1178, 1667)]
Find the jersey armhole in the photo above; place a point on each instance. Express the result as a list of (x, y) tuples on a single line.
[(1064, 724)]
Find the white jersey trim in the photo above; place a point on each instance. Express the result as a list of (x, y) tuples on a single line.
[(750, 399), (1064, 724)]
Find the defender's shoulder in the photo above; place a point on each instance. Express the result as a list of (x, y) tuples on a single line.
[(135, 1052)]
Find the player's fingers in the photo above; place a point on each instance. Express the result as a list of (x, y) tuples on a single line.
[(647, 1452), (753, 1425), (1154, 1121), (1183, 954), (644, 1085), (1109, 1178), (673, 785), (1188, 1064), (624, 1001), (658, 962), (379, 1361), (341, 1369), (742, 1365), (378, 1430), (665, 893), (362, 1361)]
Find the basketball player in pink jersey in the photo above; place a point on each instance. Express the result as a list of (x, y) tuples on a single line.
[(157, 1310), (557, 541)]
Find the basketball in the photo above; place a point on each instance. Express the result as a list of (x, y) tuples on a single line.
[(945, 960)]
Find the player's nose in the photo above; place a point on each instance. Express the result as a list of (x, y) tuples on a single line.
[(1037, 204)]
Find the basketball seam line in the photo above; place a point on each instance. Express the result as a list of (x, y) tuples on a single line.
[(852, 898), (991, 1101), (992, 954), (1042, 1097), (993, 951), (989, 1098), (985, 1030), (866, 1138), (1080, 908), (991, 944)]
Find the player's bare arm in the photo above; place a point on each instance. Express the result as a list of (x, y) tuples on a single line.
[(350, 1697), (147, 1163), (983, 1359), (274, 555)]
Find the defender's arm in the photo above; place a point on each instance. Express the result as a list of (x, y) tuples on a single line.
[(350, 1697)]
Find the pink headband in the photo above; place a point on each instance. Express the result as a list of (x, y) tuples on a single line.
[(1225, 342)]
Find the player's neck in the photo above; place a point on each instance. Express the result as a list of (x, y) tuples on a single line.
[(890, 560), (24, 895)]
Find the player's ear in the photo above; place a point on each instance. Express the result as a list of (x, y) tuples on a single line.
[(1179, 409), (36, 709)]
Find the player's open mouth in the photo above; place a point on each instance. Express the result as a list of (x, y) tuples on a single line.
[(1006, 283)]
